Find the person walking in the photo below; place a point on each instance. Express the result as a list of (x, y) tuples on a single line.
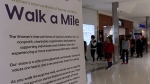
[(125, 49), (104, 53), (93, 48), (139, 47), (132, 46), (120, 46), (99, 49), (109, 50), (144, 44), (85, 49)]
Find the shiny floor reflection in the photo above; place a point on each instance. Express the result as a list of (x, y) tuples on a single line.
[(136, 72)]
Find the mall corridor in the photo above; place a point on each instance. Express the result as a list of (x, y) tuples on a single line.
[(136, 72)]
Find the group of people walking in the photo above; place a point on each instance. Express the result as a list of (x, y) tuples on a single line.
[(106, 49), (99, 47), (132, 45)]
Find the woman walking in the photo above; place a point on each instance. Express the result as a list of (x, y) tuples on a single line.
[(125, 49), (139, 47), (93, 47), (85, 49), (109, 50)]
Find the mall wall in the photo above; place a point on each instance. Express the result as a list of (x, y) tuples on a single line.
[(138, 29), (90, 17)]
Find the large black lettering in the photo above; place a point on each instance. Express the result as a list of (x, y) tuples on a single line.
[(54, 19), (14, 10), (27, 16), (66, 21), (37, 15), (41, 16)]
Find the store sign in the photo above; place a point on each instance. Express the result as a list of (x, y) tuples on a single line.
[(41, 42), (142, 26)]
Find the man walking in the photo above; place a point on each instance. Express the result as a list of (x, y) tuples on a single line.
[(139, 47)]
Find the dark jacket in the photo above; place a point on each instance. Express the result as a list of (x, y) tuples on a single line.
[(85, 46), (144, 41), (99, 47), (120, 43), (93, 44), (139, 44)]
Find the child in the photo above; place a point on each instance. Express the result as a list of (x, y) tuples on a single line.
[(109, 50)]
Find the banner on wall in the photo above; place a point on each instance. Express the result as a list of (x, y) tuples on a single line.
[(41, 42)]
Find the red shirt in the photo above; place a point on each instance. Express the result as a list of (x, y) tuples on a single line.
[(109, 48)]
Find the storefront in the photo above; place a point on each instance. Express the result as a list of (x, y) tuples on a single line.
[(139, 29), (105, 26)]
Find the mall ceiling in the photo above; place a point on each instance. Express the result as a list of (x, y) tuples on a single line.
[(136, 10)]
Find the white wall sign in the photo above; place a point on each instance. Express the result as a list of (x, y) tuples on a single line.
[(41, 42)]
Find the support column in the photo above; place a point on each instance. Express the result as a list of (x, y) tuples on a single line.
[(115, 28), (148, 32)]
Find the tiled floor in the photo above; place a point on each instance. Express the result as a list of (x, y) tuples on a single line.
[(136, 72), (97, 66)]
